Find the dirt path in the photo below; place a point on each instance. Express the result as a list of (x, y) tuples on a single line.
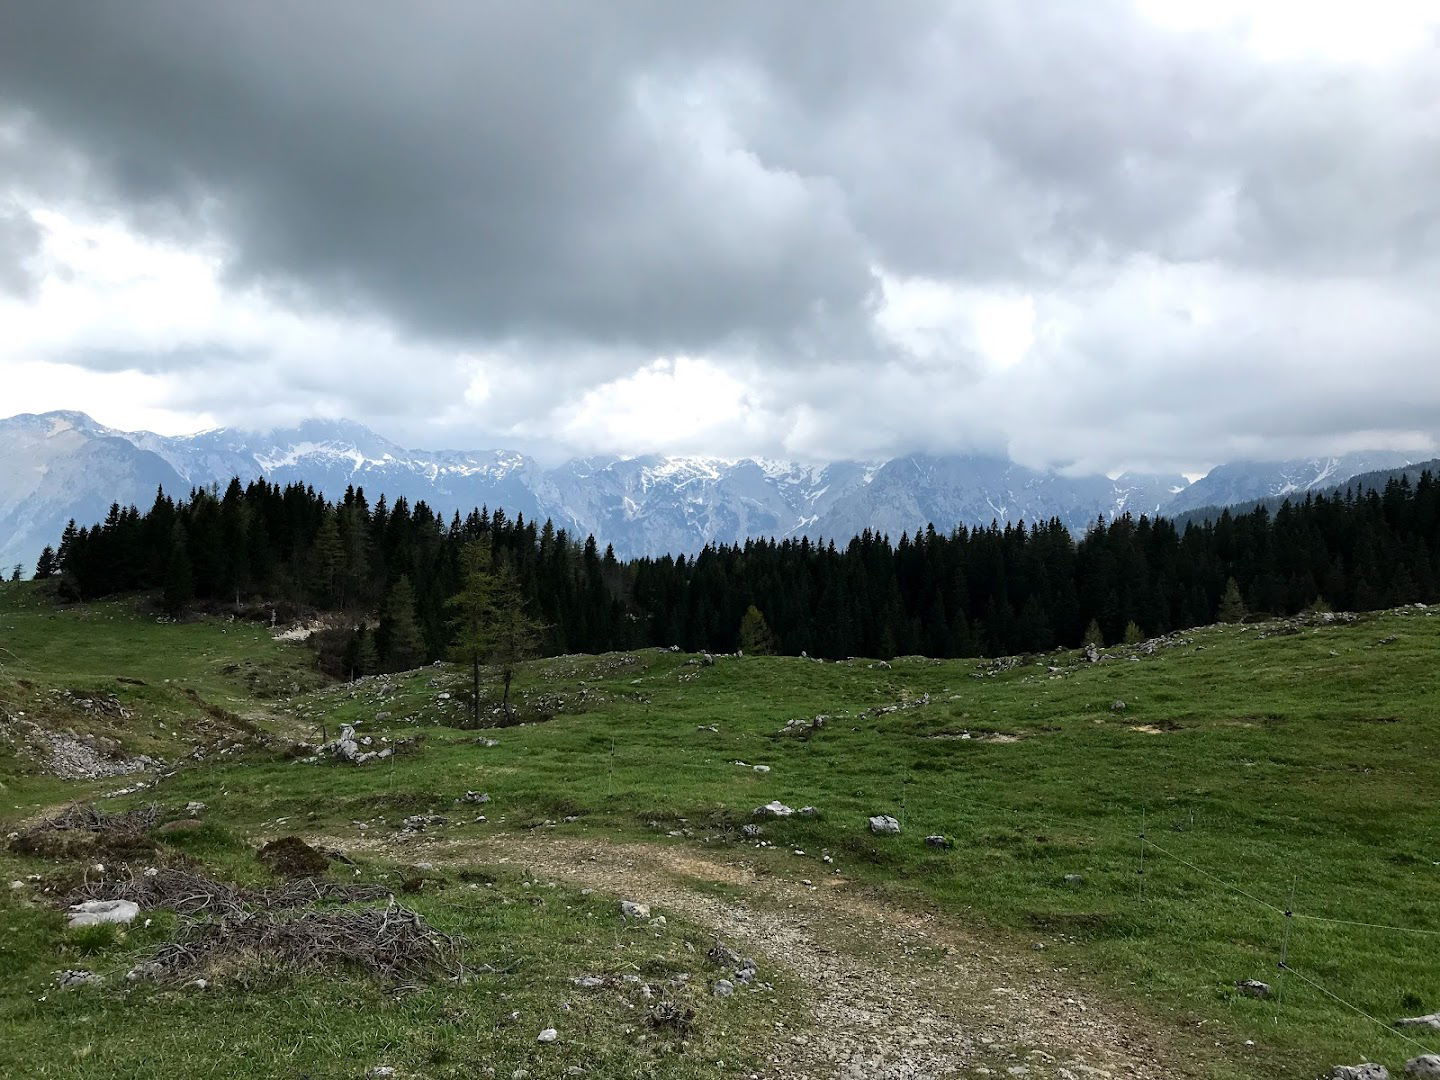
[(893, 994)]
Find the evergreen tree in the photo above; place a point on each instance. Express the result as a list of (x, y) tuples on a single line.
[(404, 646), (327, 555), (971, 591), (1232, 604), (45, 566), (179, 587), (473, 615), (1093, 636), (360, 655), (755, 636), (1133, 634), (513, 635)]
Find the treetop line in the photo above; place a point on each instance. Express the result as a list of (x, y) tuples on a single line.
[(996, 590)]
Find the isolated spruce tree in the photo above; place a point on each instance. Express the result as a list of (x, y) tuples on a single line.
[(473, 614), (1093, 635), (1232, 604), (1133, 634), (45, 566), (755, 636), (512, 636), (404, 647)]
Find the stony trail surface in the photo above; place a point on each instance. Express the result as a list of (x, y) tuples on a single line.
[(893, 994)]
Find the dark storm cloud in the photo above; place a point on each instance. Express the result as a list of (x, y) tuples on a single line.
[(584, 185), (468, 169), (677, 175)]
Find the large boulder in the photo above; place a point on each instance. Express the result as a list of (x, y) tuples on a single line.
[(1365, 1071), (1424, 1067), (773, 809), (884, 825)]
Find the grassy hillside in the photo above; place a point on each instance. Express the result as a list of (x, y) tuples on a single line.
[(1267, 767)]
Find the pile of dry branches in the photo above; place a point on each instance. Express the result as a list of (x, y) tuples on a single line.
[(187, 893), (391, 944), (86, 817)]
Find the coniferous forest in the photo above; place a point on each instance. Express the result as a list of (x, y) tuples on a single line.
[(997, 590)]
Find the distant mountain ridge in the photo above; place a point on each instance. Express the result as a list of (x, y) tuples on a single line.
[(1374, 480), (59, 465), (1243, 481)]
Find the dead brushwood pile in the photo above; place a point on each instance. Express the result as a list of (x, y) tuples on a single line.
[(82, 830), (86, 817), (187, 893), (393, 945)]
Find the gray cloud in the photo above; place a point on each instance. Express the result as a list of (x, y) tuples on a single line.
[(19, 243), (584, 185)]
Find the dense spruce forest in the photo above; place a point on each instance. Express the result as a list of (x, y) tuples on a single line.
[(985, 591)]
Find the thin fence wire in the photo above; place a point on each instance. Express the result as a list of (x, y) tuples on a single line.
[(1285, 966), (1356, 1009)]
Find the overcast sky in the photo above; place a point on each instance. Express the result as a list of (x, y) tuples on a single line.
[(1118, 233)]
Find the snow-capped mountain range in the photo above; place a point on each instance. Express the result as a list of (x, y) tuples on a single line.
[(59, 465)]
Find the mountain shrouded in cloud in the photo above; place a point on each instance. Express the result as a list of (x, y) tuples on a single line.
[(63, 465), (1146, 236)]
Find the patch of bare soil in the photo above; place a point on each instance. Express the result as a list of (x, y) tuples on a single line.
[(894, 994)]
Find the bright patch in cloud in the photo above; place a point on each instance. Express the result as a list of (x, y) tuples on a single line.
[(1341, 30), (670, 404)]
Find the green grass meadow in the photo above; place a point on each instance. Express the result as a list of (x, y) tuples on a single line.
[(1267, 771)]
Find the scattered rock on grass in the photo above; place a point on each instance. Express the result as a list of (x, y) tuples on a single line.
[(884, 825), (1074, 880), (98, 912), (1431, 1020), (773, 809), (939, 841), (1365, 1071), (1253, 988), (70, 979), (723, 956), (1424, 1067), (723, 988), (416, 822), (750, 832), (630, 909), (549, 1035)]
